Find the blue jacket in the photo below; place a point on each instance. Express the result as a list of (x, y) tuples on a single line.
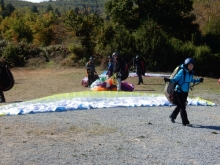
[(183, 80)]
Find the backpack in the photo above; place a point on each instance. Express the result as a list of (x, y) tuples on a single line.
[(124, 70), (169, 87), (7, 79)]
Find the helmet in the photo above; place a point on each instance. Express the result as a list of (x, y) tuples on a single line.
[(115, 54), (90, 59), (189, 61), (137, 56), (109, 57)]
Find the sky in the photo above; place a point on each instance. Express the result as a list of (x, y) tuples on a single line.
[(36, 1)]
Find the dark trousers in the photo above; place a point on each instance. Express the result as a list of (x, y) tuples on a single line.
[(110, 73), (140, 79), (90, 79), (2, 96), (181, 107)]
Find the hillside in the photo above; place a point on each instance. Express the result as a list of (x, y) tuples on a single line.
[(62, 6)]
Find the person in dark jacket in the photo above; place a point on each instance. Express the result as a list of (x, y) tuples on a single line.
[(90, 69), (183, 79), (110, 67), (2, 64), (139, 66), (118, 69)]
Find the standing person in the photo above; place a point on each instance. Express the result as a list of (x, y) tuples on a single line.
[(183, 79), (118, 69), (139, 66), (2, 64), (110, 67), (90, 69)]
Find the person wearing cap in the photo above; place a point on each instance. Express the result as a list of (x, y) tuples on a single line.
[(117, 69), (110, 67), (90, 69), (183, 79), (138, 63)]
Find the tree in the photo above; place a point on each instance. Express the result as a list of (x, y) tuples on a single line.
[(6, 10), (34, 9), (174, 17), (86, 24), (152, 44), (43, 29), (49, 8), (115, 38), (15, 29)]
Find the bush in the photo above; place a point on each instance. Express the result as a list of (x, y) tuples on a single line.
[(11, 55), (153, 45)]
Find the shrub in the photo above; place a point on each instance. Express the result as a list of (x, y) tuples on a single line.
[(11, 55)]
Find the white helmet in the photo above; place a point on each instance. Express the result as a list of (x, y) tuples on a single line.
[(115, 54)]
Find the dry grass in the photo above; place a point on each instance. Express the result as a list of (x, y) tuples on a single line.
[(36, 83)]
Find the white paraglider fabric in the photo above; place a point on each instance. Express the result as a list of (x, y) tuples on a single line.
[(92, 100)]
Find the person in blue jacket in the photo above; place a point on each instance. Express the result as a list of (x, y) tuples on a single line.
[(183, 79)]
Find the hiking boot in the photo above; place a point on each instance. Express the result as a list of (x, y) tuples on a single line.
[(171, 119), (188, 125)]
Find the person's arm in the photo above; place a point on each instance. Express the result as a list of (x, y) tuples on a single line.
[(197, 80), (87, 65)]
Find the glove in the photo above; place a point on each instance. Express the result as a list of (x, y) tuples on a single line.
[(201, 80), (166, 79)]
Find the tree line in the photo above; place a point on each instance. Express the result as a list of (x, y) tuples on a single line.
[(163, 32)]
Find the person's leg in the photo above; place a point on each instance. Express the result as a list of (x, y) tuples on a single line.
[(139, 78), (176, 111), (183, 112), (2, 96), (118, 84), (89, 80)]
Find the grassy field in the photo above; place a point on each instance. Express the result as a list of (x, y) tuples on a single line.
[(36, 83)]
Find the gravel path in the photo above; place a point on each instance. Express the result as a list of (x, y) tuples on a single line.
[(115, 136)]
